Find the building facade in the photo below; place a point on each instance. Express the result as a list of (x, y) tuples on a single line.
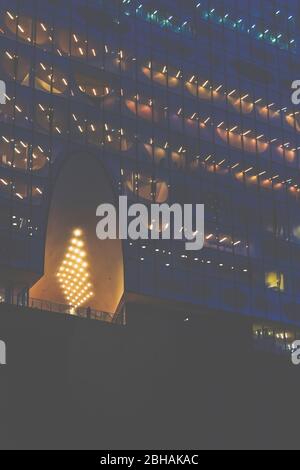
[(168, 101)]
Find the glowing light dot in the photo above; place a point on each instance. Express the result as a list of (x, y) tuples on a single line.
[(77, 233)]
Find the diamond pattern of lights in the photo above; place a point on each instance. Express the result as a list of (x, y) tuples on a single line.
[(73, 275)]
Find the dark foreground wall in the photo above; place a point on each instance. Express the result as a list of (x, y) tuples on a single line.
[(159, 383)]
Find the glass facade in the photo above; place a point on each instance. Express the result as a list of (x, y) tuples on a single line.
[(181, 101)]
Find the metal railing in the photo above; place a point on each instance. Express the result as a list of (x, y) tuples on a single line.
[(90, 314)]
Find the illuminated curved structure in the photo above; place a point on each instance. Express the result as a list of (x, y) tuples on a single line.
[(85, 106), (79, 189)]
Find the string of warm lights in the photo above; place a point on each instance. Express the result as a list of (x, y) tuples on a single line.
[(259, 173), (182, 150), (268, 111), (247, 135), (12, 186), (211, 164), (73, 274)]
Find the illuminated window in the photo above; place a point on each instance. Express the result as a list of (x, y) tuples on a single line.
[(73, 274)]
